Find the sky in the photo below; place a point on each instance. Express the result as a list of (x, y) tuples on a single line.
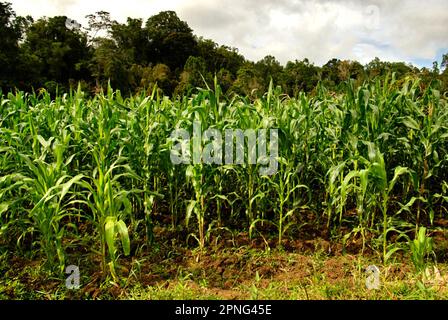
[(412, 31)]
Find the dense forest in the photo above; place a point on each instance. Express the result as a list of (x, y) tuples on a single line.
[(56, 53)]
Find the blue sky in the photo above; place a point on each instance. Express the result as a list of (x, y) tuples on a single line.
[(411, 31), (428, 63)]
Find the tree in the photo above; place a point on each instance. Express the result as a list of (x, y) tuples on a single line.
[(350, 70), (207, 49), (195, 75), (225, 79), (98, 22), (268, 68), (376, 68), (119, 56), (131, 38), (444, 74), (110, 63), (248, 81), (147, 77), (444, 63), (401, 69), (62, 54), (171, 41), (300, 76), (10, 34), (332, 75), (219, 57)]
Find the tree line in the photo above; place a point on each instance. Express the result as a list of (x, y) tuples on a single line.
[(54, 54)]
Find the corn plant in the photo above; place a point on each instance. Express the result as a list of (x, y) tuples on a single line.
[(369, 161), (284, 188), (47, 186), (420, 248), (198, 204), (105, 195)]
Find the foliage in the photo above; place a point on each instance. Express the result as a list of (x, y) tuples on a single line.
[(371, 162), (45, 53), (420, 248)]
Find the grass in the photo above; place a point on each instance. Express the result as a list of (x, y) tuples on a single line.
[(248, 274)]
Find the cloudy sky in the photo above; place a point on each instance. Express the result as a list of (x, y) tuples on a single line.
[(394, 30)]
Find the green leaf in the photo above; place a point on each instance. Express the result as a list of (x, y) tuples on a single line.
[(253, 224), (391, 252), (109, 229), (346, 183), (190, 208), (44, 142), (68, 185), (3, 207), (411, 123), (363, 175), (398, 172), (124, 236), (407, 206), (377, 173)]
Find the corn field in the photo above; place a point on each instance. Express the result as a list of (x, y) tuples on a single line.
[(369, 165)]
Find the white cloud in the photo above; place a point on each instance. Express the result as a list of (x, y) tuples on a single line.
[(297, 29)]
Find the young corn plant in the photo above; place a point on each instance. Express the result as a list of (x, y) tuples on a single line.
[(421, 247), (372, 189), (284, 188), (198, 205), (105, 193), (49, 186), (109, 205), (72, 156), (144, 157), (376, 177)]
